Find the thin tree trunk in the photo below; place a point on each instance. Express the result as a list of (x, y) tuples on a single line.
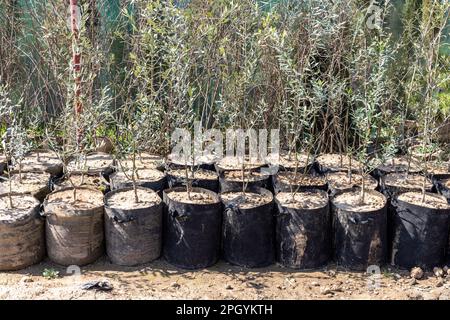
[(363, 188), (76, 60), (20, 171), (186, 174), (350, 168), (11, 205), (136, 197)]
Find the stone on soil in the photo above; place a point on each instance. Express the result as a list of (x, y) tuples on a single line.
[(438, 272), (417, 273)]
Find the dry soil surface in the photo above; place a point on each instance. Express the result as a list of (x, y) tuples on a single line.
[(159, 280)]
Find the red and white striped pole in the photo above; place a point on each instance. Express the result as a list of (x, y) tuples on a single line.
[(76, 60)]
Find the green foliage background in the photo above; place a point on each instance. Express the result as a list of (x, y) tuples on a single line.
[(122, 47)]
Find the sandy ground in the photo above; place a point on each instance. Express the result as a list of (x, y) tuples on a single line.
[(159, 280)]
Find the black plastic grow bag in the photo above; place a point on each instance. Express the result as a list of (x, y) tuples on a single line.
[(157, 185), (230, 185), (175, 165), (303, 236), (279, 186), (133, 236), (176, 181), (386, 169), (309, 168), (335, 189), (391, 192), (248, 234), (192, 232), (105, 171), (248, 168), (439, 176), (359, 238), (325, 168), (102, 185), (442, 189), (420, 235), (448, 249)]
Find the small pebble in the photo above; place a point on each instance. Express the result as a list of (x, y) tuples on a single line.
[(446, 270), (326, 291), (337, 288), (438, 272), (417, 273), (332, 273), (26, 280)]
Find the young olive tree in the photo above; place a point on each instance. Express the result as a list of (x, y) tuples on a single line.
[(303, 38), (242, 103), (426, 71), (371, 88), (15, 140), (130, 136), (159, 92), (70, 133)]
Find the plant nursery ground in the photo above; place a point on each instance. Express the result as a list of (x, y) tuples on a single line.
[(159, 280)]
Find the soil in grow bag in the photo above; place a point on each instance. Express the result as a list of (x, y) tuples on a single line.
[(235, 164), (392, 185), (206, 179), (202, 162), (192, 228), (133, 230), (420, 230), (287, 181), (339, 181), (302, 162), (143, 161), (232, 180), (396, 183), (33, 183), (331, 162), (399, 164), (93, 163), (22, 241), (418, 154), (40, 161), (303, 229), (147, 178), (74, 229), (248, 228), (359, 229), (96, 181), (438, 170)]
